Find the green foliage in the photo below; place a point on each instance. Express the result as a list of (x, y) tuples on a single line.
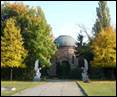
[(103, 17), (83, 48), (79, 45), (35, 31), (104, 49), (40, 39), (12, 50)]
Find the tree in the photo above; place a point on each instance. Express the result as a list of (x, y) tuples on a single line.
[(16, 10), (22, 15), (36, 33), (12, 50), (104, 49), (103, 17), (84, 48), (42, 43)]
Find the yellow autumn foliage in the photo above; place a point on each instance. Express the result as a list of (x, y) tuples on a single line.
[(104, 49), (12, 50)]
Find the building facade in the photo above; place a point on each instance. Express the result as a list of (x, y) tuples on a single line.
[(64, 56)]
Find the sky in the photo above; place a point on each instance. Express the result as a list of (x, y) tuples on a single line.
[(65, 16)]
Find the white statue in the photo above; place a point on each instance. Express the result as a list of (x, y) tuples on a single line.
[(84, 73), (37, 70)]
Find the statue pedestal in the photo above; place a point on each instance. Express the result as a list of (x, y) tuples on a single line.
[(36, 78), (85, 77)]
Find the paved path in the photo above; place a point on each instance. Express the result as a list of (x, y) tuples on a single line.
[(53, 88)]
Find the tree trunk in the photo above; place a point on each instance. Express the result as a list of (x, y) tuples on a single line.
[(11, 74), (112, 74)]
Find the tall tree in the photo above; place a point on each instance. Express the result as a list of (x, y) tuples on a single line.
[(104, 49), (103, 17), (42, 42), (36, 33), (12, 50)]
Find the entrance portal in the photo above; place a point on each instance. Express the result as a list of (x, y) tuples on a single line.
[(63, 69)]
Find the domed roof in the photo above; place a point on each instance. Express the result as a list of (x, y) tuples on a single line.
[(65, 40)]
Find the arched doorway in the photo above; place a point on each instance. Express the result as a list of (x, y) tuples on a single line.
[(63, 69)]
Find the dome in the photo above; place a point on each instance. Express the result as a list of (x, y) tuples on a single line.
[(65, 40)]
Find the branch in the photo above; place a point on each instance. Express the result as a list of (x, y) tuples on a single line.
[(84, 30)]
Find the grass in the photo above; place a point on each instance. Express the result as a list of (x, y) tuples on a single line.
[(19, 85), (99, 88)]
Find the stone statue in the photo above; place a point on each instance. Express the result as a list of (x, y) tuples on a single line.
[(84, 73), (37, 70)]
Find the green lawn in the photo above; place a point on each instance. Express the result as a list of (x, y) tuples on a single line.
[(99, 88), (19, 85)]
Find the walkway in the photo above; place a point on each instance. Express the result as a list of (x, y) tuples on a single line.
[(53, 88)]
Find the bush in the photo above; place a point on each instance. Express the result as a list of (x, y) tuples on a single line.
[(17, 74), (75, 73), (102, 73), (97, 73)]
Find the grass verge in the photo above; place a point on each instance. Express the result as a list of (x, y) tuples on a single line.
[(19, 85), (99, 88)]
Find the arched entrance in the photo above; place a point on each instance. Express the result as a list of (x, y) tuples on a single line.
[(63, 69)]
